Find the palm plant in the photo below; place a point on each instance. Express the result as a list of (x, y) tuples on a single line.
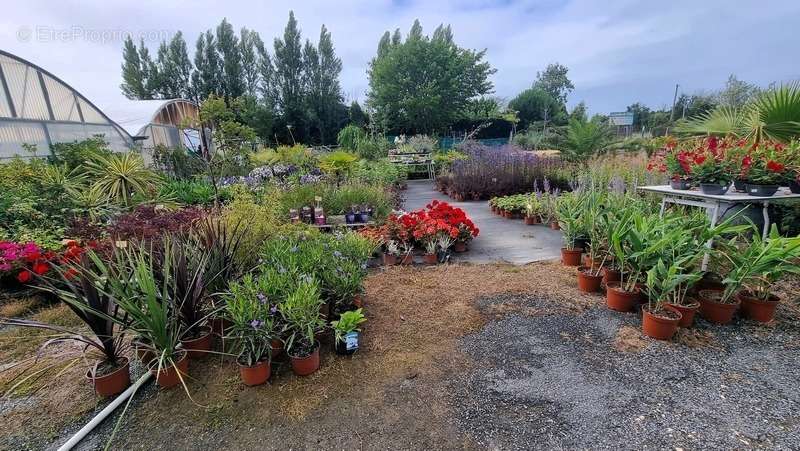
[(584, 139), (121, 176), (774, 114)]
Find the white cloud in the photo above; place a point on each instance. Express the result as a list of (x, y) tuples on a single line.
[(618, 51)]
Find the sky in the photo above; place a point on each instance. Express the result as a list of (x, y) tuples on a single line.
[(618, 51)]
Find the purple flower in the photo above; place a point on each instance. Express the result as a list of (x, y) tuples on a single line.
[(273, 310), (256, 323), (261, 298)]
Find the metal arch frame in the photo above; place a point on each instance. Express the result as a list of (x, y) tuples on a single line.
[(164, 106), (78, 96)]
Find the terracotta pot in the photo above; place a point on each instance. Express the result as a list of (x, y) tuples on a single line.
[(529, 220), (303, 366), (507, 214), (114, 382), (407, 259), (713, 310), (588, 283), (199, 347), (587, 261), (687, 313), (610, 275), (555, 226), (358, 301), (389, 260), (220, 325), (571, 257), (459, 247), (143, 353), (660, 326), (168, 377), (620, 300), (756, 309), (430, 259), (277, 348), (256, 374)]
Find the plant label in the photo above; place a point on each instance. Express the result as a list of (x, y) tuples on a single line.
[(351, 341)]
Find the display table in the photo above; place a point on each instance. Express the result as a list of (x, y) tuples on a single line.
[(715, 205), (413, 160)]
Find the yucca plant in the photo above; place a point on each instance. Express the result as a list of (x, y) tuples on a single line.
[(121, 176)]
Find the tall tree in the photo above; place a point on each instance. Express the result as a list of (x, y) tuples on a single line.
[(356, 115), (173, 69), (423, 84), (326, 98), (207, 76), (135, 83), (232, 81), (250, 43), (554, 81), (288, 75)]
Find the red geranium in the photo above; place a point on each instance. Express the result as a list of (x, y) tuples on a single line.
[(774, 166), (24, 276)]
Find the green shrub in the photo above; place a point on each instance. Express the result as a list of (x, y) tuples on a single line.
[(193, 192), (373, 147), (349, 137), (78, 153), (337, 201), (380, 172), (177, 162)]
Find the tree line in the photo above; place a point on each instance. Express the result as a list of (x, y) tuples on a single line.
[(290, 92)]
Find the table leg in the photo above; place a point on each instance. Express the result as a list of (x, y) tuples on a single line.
[(663, 206), (710, 243), (765, 212)]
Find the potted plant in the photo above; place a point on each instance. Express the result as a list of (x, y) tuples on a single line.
[(630, 246), (391, 253), (533, 209), (406, 256), (660, 319), (713, 176), (755, 267), (104, 347), (569, 207), (589, 277), (764, 176), (253, 319), (347, 332), (431, 245), (188, 282), (301, 312), (676, 163)]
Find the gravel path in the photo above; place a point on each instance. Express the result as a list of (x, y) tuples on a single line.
[(558, 382)]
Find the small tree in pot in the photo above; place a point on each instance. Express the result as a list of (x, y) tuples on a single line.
[(347, 332), (569, 207)]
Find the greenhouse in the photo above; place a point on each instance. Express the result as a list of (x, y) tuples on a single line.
[(38, 108)]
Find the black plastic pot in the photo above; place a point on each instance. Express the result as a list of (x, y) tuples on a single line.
[(364, 216), (794, 187), (349, 345), (713, 189), (739, 185), (679, 184), (761, 190), (350, 218)]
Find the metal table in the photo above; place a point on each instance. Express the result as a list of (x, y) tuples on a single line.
[(713, 204), (415, 159)]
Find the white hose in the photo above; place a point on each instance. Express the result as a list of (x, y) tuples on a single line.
[(75, 439)]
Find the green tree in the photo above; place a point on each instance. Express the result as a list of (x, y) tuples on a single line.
[(250, 43), (323, 92), (174, 69), (579, 112), (421, 85), (287, 76), (641, 115), (232, 80), (135, 83), (537, 105), (357, 115), (206, 78), (737, 93), (554, 81)]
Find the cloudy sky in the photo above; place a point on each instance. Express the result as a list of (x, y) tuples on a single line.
[(618, 51)]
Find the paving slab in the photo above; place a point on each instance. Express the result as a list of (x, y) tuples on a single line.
[(500, 239)]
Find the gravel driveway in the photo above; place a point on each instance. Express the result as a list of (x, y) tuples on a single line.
[(590, 381)]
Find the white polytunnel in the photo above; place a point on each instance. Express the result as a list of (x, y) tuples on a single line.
[(39, 109)]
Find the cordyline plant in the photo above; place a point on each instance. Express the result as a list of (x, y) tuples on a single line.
[(82, 292), (759, 264)]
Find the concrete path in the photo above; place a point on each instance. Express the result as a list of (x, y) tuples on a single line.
[(500, 239)]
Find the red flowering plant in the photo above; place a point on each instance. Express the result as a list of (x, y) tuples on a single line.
[(766, 164), (672, 160), (454, 217), (709, 161), (20, 263)]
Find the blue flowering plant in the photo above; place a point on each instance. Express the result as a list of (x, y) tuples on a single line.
[(301, 313), (255, 317)]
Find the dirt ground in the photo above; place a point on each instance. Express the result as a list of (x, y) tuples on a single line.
[(432, 374)]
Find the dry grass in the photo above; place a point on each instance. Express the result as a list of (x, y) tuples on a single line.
[(630, 339)]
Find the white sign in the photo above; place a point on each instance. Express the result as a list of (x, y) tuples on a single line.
[(624, 118)]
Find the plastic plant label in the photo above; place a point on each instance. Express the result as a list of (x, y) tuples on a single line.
[(351, 341)]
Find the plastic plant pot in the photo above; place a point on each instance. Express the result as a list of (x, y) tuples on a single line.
[(762, 190)]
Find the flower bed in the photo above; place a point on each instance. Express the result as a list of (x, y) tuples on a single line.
[(498, 171)]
